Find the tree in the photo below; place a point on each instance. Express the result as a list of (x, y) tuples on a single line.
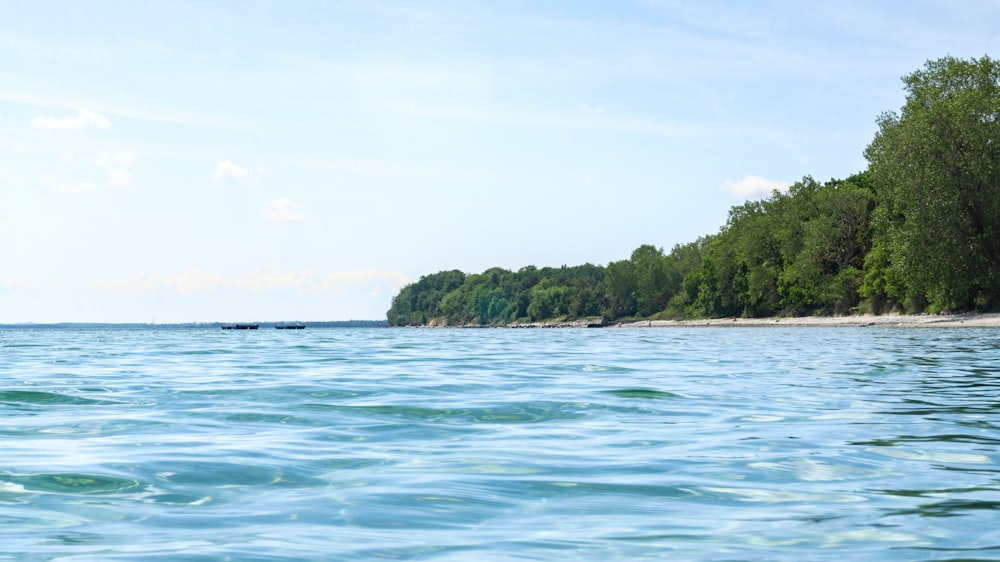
[(619, 287), (825, 273), (685, 264), (936, 168), (651, 277), (418, 303)]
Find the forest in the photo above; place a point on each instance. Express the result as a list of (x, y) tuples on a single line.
[(917, 231)]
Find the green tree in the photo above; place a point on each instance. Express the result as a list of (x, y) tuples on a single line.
[(619, 288), (650, 268), (936, 168), (825, 272), (549, 300), (685, 264), (716, 281), (418, 303)]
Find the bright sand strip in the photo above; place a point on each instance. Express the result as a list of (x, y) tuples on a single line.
[(906, 320)]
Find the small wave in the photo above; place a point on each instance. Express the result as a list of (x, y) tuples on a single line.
[(606, 369), (932, 456), (38, 398), (515, 413), (72, 483), (761, 495)]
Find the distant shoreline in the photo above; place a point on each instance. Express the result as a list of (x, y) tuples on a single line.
[(964, 320), (193, 325)]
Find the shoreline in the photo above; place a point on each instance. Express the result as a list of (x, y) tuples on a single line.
[(965, 320)]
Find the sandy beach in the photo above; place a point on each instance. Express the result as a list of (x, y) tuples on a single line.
[(906, 320)]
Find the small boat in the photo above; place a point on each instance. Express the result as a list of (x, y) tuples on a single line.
[(290, 326), (240, 326)]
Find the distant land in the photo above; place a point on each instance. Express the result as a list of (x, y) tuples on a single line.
[(196, 325)]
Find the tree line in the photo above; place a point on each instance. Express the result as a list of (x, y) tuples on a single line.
[(917, 231)]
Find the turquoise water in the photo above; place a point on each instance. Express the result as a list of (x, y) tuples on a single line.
[(358, 444)]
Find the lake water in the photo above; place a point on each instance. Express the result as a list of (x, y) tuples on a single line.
[(357, 444)]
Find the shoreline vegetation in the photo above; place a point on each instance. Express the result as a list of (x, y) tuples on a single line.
[(914, 239)]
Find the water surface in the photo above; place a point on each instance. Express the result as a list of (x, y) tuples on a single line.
[(358, 444)]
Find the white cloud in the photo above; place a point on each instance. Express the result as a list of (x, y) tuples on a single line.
[(754, 186), (283, 209), (228, 171), (114, 165), (119, 178), (83, 118)]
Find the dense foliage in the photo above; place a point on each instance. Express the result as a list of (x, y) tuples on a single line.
[(937, 168), (919, 230), (499, 296)]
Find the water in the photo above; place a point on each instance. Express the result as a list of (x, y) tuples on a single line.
[(338, 444)]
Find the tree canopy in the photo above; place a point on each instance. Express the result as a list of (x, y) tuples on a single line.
[(918, 230), (936, 166)]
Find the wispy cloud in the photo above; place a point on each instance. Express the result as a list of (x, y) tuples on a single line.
[(392, 280), (8, 284), (260, 280), (115, 166), (584, 107), (754, 186), (78, 187), (83, 118), (583, 118), (148, 111), (283, 209), (266, 279), (227, 170)]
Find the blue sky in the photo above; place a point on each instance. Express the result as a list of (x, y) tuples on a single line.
[(229, 161)]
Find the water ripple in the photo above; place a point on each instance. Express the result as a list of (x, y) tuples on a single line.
[(694, 444)]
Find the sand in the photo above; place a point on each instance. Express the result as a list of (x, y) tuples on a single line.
[(905, 320)]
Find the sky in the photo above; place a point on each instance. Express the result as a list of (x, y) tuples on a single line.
[(219, 161)]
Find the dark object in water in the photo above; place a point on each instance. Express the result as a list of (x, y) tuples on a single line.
[(290, 326), (240, 326)]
